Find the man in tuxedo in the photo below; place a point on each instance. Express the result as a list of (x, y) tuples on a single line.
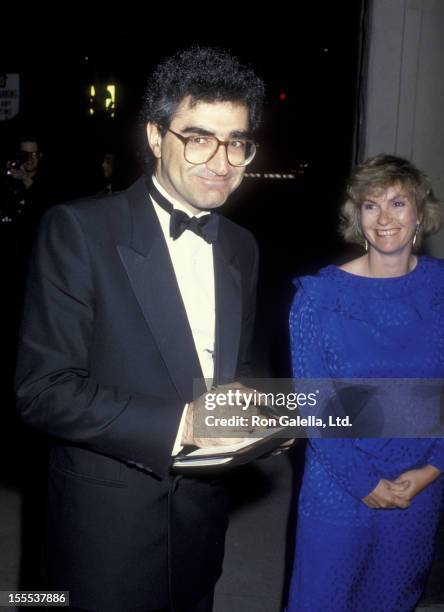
[(130, 299)]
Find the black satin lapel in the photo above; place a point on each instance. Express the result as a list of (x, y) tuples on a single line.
[(155, 287), (228, 312)]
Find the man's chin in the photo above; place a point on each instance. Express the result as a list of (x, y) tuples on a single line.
[(213, 201), (209, 206)]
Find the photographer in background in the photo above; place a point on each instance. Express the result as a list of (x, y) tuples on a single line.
[(22, 187), (29, 155), (24, 196)]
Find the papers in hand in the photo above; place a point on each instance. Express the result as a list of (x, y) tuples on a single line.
[(230, 455)]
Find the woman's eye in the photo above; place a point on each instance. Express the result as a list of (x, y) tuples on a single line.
[(399, 203), (368, 206)]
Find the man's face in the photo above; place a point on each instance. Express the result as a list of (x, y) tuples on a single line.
[(108, 165), (202, 186), (32, 149)]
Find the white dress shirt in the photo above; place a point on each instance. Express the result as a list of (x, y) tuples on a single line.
[(192, 259)]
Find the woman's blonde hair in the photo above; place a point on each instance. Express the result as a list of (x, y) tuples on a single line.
[(377, 174)]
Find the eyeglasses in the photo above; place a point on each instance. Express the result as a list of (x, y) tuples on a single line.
[(199, 149)]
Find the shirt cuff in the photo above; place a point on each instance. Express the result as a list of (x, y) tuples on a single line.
[(177, 443)]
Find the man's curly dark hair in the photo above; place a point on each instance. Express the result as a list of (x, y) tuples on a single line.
[(207, 75)]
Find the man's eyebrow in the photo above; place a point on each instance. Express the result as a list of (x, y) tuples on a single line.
[(240, 134), (192, 129)]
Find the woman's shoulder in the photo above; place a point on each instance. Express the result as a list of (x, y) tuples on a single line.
[(327, 279), (314, 291), (350, 277), (430, 283), (432, 265), (344, 291)]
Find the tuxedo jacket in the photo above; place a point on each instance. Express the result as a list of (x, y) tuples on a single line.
[(106, 363)]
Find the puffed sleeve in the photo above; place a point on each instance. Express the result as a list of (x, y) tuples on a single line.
[(341, 458)]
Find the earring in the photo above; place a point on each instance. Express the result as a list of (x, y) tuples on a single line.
[(416, 233), (366, 245)]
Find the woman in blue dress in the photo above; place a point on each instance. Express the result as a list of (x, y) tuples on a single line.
[(369, 508)]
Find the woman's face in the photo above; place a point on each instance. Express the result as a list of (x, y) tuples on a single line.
[(389, 219)]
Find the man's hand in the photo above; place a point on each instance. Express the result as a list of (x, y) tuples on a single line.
[(285, 446), (198, 409), (20, 174), (387, 495), (414, 481)]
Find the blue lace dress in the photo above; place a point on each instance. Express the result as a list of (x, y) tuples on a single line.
[(350, 557)]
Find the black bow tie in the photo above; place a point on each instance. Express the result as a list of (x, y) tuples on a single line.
[(206, 227)]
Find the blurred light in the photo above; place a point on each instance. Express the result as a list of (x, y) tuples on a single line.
[(282, 96), (92, 100), (102, 99), (273, 175), (110, 100)]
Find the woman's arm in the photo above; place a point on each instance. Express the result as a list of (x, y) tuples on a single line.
[(346, 463), (414, 481)]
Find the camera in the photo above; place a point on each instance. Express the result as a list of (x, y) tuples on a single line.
[(18, 160)]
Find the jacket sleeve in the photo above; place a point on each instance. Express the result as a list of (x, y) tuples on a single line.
[(341, 457), (55, 390)]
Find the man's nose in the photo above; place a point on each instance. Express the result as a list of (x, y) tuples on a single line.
[(219, 162)]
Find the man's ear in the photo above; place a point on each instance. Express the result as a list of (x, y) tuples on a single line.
[(154, 139)]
